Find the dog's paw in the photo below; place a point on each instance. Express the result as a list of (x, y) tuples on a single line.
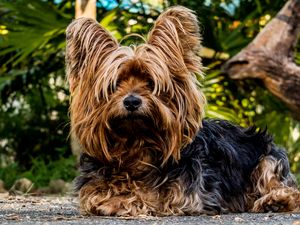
[(110, 210), (115, 206), (278, 200)]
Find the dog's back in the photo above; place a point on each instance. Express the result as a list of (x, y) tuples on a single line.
[(237, 167)]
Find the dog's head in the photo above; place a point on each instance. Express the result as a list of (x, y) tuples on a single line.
[(143, 97)]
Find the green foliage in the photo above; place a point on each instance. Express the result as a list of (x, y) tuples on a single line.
[(33, 93), (37, 22), (41, 172), (9, 174), (229, 25), (217, 93)]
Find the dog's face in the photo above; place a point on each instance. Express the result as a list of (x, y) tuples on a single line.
[(135, 98)]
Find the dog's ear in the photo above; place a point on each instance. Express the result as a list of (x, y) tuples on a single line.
[(88, 44), (176, 35)]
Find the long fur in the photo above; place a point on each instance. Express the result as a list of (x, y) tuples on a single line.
[(163, 158)]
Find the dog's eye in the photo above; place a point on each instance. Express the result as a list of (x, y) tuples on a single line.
[(150, 84)]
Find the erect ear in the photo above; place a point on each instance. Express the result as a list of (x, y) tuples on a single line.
[(176, 35), (88, 44)]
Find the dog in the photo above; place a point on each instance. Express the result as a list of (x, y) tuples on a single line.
[(137, 114)]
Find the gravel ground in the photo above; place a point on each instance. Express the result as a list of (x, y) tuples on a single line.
[(64, 210)]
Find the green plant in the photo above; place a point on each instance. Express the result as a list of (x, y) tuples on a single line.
[(41, 172)]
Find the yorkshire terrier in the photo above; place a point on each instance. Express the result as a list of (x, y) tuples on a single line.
[(137, 114)]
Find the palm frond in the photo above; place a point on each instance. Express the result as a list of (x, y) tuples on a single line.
[(31, 25)]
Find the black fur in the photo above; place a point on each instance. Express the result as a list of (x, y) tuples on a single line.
[(220, 161), (217, 164)]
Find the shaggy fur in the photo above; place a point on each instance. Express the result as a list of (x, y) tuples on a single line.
[(137, 114)]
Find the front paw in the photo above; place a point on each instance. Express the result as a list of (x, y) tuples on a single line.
[(114, 206), (278, 200)]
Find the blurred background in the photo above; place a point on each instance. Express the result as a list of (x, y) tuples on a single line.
[(34, 96)]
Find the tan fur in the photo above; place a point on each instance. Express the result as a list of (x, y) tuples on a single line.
[(123, 196), (96, 64), (271, 190)]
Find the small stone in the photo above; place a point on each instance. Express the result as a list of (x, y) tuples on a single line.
[(238, 219), (2, 187), (4, 195), (266, 218), (59, 186), (12, 217), (21, 186), (216, 217), (296, 222)]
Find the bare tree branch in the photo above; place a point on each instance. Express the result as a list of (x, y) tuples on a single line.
[(270, 57)]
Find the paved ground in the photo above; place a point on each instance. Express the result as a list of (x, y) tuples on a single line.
[(63, 210)]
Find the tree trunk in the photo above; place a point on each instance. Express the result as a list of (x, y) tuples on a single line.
[(85, 8), (270, 57)]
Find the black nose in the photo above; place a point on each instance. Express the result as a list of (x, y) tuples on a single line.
[(132, 103)]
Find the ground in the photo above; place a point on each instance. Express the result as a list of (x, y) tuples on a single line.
[(64, 210)]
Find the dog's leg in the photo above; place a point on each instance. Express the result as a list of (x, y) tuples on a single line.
[(98, 198), (96, 202), (274, 185)]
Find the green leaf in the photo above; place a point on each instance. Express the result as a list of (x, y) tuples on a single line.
[(31, 25)]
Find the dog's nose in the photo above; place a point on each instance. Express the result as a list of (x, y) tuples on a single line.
[(132, 103)]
